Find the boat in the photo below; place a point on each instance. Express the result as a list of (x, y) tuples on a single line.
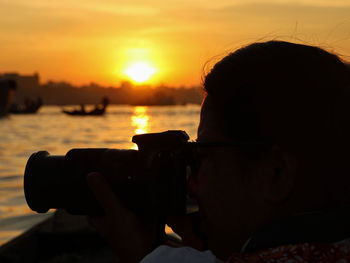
[(62, 238), (7, 88), (98, 111), (29, 107), (94, 112)]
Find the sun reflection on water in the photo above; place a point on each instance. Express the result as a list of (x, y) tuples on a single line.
[(140, 120)]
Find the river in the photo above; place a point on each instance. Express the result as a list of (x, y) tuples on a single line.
[(55, 132)]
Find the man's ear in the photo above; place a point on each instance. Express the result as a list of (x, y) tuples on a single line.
[(279, 175)]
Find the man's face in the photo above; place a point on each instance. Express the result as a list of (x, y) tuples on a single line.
[(226, 194)]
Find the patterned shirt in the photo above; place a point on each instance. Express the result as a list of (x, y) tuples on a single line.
[(305, 252)]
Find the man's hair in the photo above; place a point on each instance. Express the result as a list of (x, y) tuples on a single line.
[(295, 94)]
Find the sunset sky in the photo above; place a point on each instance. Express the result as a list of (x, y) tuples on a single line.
[(81, 41)]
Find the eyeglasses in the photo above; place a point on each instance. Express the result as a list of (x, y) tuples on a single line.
[(251, 149)]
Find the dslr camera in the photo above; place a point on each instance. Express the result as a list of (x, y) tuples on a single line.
[(151, 179)]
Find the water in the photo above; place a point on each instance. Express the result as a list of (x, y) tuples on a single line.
[(51, 130)]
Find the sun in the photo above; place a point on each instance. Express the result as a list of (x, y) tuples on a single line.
[(140, 71)]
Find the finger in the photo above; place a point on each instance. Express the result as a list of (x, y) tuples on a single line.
[(103, 193), (180, 224)]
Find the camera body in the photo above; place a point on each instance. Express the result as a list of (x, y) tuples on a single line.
[(151, 179)]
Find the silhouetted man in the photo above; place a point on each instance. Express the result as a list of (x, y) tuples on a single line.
[(277, 187)]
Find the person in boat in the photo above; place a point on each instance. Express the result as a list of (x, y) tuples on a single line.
[(101, 108), (82, 109), (279, 191), (98, 110)]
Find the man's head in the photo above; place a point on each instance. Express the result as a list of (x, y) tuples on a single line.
[(290, 99)]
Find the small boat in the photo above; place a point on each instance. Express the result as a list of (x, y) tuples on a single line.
[(98, 111), (94, 112), (7, 88), (29, 107), (62, 238)]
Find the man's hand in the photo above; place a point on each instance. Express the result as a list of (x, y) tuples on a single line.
[(187, 226), (125, 233)]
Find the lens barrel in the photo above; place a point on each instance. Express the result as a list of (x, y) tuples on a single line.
[(151, 180), (40, 186), (60, 181)]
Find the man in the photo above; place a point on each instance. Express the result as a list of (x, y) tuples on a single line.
[(277, 185)]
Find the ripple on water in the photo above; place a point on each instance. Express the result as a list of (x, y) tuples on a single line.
[(8, 235), (16, 200), (9, 178)]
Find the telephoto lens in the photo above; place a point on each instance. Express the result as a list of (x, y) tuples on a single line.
[(151, 179)]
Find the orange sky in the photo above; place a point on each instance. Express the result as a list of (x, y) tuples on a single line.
[(94, 40)]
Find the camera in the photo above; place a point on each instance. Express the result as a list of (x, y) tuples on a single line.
[(151, 179)]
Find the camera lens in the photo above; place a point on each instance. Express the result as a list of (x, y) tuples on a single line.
[(40, 180)]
